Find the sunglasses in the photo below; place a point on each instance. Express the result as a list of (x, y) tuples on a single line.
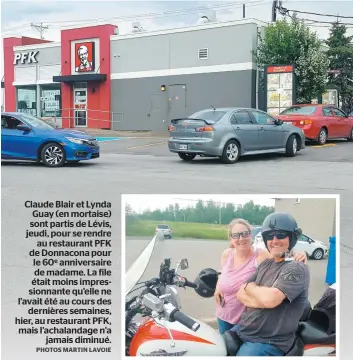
[(244, 234), (280, 235)]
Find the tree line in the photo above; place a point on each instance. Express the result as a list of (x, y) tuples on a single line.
[(293, 42), (204, 212)]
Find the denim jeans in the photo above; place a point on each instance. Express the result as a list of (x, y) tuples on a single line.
[(257, 349), (223, 326)]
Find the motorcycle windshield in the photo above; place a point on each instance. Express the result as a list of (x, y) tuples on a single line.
[(136, 270)]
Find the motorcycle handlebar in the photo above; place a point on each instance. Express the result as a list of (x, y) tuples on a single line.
[(185, 320), (190, 284)]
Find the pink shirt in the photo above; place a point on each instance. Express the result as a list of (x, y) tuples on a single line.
[(229, 283)]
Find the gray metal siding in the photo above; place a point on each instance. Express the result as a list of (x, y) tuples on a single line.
[(135, 98), (139, 54), (226, 45)]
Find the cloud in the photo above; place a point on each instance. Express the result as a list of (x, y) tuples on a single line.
[(17, 15), (60, 14)]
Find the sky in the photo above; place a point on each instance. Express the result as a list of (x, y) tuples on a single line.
[(143, 202), (17, 16)]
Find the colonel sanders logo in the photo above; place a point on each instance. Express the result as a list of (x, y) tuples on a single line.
[(84, 60)]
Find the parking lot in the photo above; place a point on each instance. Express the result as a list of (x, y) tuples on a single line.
[(144, 165)]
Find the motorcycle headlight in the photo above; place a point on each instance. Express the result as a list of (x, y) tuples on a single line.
[(75, 140)]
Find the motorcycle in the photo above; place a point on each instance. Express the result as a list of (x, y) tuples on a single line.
[(164, 330)]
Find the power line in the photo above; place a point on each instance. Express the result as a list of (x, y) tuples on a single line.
[(225, 5), (40, 28), (324, 22), (318, 14), (285, 12), (186, 11)]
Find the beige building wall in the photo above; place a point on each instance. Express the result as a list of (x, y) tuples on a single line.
[(316, 217)]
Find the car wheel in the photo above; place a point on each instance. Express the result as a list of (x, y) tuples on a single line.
[(318, 254), (292, 146), (351, 135), (187, 157), (231, 152), (322, 138), (53, 155)]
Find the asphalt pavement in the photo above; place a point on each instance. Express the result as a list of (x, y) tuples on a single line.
[(144, 165)]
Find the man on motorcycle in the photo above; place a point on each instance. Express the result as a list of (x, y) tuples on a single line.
[(276, 296)]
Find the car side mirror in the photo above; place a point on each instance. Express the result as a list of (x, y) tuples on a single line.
[(23, 128)]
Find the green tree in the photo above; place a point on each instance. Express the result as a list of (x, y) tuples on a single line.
[(340, 55), (292, 42)]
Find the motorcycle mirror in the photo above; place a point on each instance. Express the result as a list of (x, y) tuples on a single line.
[(184, 264)]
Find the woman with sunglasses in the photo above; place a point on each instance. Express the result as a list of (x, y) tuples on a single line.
[(238, 263)]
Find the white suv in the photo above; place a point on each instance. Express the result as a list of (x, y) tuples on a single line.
[(165, 230), (314, 249)]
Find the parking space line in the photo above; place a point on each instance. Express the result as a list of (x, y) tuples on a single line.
[(140, 146), (321, 146), (105, 139)]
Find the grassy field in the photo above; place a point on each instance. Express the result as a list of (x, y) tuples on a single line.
[(180, 229)]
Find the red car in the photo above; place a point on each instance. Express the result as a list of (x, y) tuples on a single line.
[(319, 122)]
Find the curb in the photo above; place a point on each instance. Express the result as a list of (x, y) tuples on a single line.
[(130, 134)]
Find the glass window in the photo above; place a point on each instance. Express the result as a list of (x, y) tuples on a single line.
[(300, 110), (263, 118), (209, 115), (303, 238), (10, 123), (27, 100), (35, 122), (326, 112), (241, 117), (50, 100), (338, 112)]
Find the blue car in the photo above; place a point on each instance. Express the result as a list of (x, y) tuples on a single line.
[(25, 137)]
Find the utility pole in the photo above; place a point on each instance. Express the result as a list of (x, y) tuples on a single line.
[(274, 10), (40, 28)]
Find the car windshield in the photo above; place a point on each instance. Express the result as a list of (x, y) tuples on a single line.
[(163, 227), (35, 122), (209, 115), (300, 110)]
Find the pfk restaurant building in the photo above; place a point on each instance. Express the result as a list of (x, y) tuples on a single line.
[(97, 78)]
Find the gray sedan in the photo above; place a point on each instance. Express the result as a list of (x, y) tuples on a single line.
[(229, 133)]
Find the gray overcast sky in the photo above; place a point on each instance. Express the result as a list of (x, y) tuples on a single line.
[(15, 14)]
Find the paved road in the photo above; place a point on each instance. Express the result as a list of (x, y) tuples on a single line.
[(203, 254), (130, 166)]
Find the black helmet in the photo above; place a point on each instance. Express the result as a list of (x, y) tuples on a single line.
[(284, 222), (206, 281)]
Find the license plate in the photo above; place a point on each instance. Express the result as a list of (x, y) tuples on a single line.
[(183, 147), (289, 123)]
